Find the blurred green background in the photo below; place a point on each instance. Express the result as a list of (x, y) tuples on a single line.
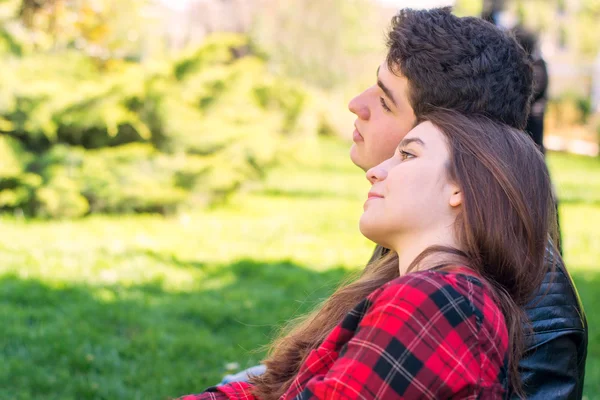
[(175, 181)]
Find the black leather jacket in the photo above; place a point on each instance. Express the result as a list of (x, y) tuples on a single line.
[(553, 365)]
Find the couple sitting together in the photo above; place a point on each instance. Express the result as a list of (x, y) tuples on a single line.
[(466, 295)]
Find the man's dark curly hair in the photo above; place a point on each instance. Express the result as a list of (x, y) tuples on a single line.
[(464, 64)]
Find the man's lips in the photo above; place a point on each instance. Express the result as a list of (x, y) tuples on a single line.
[(356, 136)]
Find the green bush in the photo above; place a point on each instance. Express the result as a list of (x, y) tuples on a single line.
[(60, 198), (219, 49), (131, 178), (13, 156), (284, 97), (18, 192), (144, 138)]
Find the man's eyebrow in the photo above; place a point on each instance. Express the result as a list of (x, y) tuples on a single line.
[(405, 142), (387, 91)]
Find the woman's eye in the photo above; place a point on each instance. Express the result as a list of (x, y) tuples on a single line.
[(405, 155), (385, 107)]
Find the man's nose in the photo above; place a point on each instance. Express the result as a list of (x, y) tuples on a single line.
[(358, 107)]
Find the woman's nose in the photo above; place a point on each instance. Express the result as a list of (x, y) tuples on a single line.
[(377, 174)]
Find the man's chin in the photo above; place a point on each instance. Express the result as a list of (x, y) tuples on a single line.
[(356, 156)]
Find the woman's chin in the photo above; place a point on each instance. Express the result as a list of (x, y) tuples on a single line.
[(369, 230), (363, 225)]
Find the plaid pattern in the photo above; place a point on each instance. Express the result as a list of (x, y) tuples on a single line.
[(426, 335)]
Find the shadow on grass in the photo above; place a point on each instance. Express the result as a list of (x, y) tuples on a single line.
[(78, 341), (173, 260)]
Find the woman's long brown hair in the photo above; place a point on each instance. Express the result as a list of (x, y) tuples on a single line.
[(505, 225)]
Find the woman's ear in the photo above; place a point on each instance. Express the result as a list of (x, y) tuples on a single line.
[(455, 197)]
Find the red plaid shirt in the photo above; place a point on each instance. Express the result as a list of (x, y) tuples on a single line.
[(426, 335)]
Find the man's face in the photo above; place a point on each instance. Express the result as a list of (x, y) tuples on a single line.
[(384, 118)]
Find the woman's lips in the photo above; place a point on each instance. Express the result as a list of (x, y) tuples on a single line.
[(370, 197)]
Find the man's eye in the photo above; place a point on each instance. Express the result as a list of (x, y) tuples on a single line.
[(385, 107)]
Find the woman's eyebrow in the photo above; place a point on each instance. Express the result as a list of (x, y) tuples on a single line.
[(407, 141)]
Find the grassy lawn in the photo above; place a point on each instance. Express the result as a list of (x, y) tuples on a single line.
[(145, 307)]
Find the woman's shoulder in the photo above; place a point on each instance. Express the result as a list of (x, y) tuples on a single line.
[(457, 277), (457, 289), (453, 314)]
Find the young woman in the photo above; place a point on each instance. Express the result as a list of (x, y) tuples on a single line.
[(465, 206)]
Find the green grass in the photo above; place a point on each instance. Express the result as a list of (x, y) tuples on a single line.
[(144, 307)]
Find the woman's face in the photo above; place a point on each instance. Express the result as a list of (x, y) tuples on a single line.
[(410, 192)]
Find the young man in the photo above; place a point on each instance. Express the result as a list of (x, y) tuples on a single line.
[(436, 59)]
